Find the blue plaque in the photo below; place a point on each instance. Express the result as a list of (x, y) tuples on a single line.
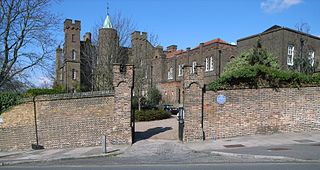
[(221, 99)]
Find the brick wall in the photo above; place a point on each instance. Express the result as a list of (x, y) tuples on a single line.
[(72, 120), (261, 111), (193, 84), (17, 130), (247, 111), (171, 92)]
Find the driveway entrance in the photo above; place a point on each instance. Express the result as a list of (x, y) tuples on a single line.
[(166, 129)]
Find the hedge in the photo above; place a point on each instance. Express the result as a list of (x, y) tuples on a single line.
[(263, 76), (149, 115), (36, 92), (7, 100)]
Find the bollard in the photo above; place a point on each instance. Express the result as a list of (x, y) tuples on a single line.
[(104, 144)]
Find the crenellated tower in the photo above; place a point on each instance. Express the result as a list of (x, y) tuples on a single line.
[(71, 56)]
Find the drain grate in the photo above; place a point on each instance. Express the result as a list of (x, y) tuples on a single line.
[(304, 141), (278, 149), (233, 146)]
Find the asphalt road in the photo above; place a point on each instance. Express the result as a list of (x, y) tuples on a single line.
[(229, 166)]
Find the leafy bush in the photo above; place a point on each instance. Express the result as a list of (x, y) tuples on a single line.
[(154, 96), (303, 65), (149, 115), (36, 92), (258, 68), (7, 100), (135, 104), (263, 76), (256, 56)]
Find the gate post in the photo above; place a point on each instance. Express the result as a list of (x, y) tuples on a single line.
[(123, 85), (193, 85)]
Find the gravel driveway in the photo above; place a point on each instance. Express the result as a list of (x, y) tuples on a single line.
[(166, 129)]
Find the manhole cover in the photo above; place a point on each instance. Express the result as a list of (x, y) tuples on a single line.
[(278, 149), (234, 146), (304, 141)]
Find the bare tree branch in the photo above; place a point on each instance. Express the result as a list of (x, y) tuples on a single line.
[(101, 74), (26, 29)]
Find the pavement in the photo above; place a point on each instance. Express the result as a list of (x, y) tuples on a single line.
[(284, 146), (297, 147), (32, 156)]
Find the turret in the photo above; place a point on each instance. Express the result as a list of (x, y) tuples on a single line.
[(71, 52), (108, 53), (59, 77), (87, 37)]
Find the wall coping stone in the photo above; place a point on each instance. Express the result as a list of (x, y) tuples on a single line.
[(67, 96), (265, 87)]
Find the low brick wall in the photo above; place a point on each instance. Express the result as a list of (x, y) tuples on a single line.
[(17, 130), (72, 120), (75, 122), (261, 111)]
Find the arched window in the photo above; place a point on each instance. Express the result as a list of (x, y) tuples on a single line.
[(74, 55), (74, 74), (170, 74)]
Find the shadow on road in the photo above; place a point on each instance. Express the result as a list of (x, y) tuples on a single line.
[(150, 132)]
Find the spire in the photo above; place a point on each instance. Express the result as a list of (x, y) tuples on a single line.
[(107, 21)]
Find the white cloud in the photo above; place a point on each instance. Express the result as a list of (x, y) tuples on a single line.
[(272, 6)]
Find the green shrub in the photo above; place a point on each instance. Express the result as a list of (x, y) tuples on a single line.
[(36, 92), (149, 115), (7, 100), (255, 56), (262, 76), (258, 68), (154, 96)]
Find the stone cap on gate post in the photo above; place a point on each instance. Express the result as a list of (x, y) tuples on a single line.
[(123, 73), (190, 77)]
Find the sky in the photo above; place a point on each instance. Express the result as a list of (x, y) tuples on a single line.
[(187, 23)]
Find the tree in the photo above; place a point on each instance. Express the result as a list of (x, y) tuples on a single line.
[(154, 96), (26, 38), (139, 80), (256, 56), (100, 75), (304, 61)]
